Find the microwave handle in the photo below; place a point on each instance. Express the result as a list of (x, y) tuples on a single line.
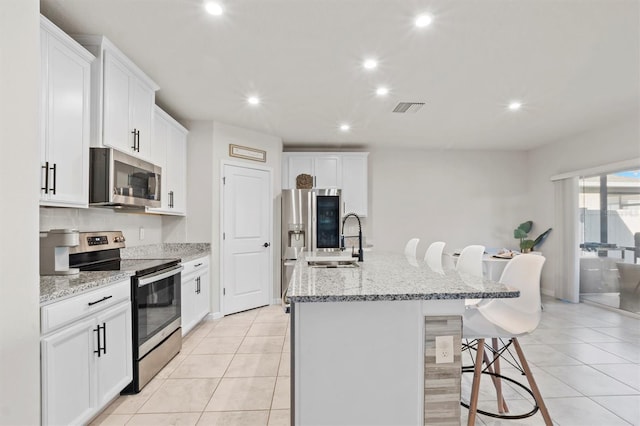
[(148, 279)]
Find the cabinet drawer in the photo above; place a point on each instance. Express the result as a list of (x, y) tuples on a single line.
[(193, 266), (61, 313)]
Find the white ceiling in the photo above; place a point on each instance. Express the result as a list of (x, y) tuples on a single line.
[(575, 65)]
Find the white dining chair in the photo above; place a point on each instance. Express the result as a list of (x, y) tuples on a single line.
[(506, 319), (433, 256), (411, 248), (470, 262)]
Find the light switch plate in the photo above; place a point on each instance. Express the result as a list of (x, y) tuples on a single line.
[(444, 349)]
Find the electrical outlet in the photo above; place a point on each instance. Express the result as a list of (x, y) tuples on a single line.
[(141, 232), (444, 349)]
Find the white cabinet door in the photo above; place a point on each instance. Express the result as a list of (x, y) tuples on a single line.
[(68, 364), (115, 361), (116, 131), (158, 154), (298, 165), (161, 133), (170, 137), (66, 75), (354, 183), (195, 293), (177, 168), (202, 300), (327, 172), (142, 117), (188, 303)]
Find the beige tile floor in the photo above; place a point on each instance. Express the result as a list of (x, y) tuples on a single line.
[(232, 371), (235, 371)]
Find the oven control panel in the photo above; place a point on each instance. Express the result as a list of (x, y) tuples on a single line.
[(97, 240)]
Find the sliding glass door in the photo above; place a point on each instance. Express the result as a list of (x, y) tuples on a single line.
[(610, 239)]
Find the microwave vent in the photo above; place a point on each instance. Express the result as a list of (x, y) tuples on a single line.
[(404, 107)]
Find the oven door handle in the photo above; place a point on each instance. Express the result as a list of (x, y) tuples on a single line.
[(148, 279)]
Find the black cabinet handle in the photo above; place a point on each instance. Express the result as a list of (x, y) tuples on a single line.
[(53, 190), (171, 199), (197, 265), (98, 301), (46, 177), (138, 139), (97, 351), (104, 338), (266, 244)]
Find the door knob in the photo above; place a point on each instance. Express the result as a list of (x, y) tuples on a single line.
[(266, 244)]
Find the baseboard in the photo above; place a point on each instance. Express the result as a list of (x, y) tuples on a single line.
[(215, 315)]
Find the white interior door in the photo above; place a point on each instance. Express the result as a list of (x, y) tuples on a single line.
[(247, 232)]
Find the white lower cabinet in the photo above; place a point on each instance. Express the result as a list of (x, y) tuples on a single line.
[(195, 293), (86, 363)]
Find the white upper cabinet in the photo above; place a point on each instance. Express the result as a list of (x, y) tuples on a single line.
[(169, 151), (325, 169), (123, 100), (345, 170), (65, 109)]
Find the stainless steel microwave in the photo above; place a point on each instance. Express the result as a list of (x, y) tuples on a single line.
[(120, 180)]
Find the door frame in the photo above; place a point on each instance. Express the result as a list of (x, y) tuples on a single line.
[(269, 296)]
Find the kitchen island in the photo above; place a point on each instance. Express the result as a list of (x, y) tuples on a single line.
[(363, 341)]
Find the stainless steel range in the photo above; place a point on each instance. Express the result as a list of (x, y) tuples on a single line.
[(155, 295)]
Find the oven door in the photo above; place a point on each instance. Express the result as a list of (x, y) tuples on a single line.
[(157, 302)]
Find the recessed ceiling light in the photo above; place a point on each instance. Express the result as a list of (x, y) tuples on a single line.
[(213, 8), (423, 21), (253, 100), (345, 127), (382, 91), (515, 105), (370, 64)]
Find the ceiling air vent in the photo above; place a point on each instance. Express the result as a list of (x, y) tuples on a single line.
[(403, 107)]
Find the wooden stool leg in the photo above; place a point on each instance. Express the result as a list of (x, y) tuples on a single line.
[(502, 404), (475, 387), (532, 383)]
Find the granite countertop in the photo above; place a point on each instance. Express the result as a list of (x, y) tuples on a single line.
[(184, 251), (57, 287), (54, 288), (388, 276)]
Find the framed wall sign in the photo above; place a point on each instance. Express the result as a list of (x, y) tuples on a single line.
[(247, 153)]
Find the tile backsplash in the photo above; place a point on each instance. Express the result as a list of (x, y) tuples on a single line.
[(102, 219)]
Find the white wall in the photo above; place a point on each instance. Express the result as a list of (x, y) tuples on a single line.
[(200, 177), (460, 197), (19, 184), (105, 219), (209, 142), (617, 142)]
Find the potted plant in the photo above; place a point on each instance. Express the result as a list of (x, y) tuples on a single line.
[(522, 233)]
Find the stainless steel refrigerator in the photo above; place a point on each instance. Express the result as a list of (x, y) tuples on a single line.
[(310, 222)]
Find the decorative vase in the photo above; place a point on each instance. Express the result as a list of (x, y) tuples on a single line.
[(525, 250)]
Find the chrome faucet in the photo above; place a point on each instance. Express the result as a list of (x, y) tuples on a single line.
[(360, 259)]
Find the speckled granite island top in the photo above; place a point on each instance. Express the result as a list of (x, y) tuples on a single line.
[(388, 276), (57, 287)]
